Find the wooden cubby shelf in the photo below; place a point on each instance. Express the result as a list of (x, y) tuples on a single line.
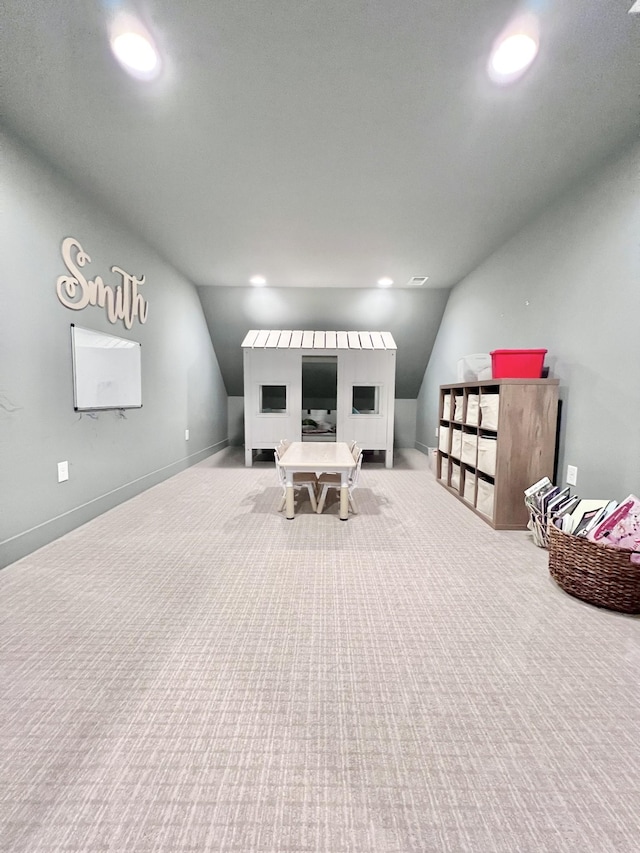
[(496, 438)]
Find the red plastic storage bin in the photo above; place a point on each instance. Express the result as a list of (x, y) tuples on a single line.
[(517, 363)]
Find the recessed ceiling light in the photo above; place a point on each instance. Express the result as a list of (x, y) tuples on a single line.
[(258, 280), (385, 282), (514, 50), (134, 49)]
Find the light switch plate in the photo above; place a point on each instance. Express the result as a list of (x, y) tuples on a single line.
[(186, 435), (63, 471), (572, 475)]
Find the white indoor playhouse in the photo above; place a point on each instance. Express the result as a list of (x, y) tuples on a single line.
[(319, 386)]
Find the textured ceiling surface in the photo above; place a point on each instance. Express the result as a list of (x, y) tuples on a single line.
[(322, 143)]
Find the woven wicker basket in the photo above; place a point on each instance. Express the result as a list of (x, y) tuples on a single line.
[(595, 573)]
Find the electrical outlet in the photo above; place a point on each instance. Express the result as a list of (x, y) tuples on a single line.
[(63, 471), (572, 475), (186, 435)]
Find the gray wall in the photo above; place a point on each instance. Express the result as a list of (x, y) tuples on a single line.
[(569, 282), (412, 316), (404, 423), (110, 457), (236, 421)]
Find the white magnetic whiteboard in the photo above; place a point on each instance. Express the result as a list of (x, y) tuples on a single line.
[(107, 371)]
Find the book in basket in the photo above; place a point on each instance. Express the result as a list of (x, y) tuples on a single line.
[(621, 528)]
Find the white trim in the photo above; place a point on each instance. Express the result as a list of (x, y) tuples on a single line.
[(261, 338), (311, 339), (281, 412), (208, 450)]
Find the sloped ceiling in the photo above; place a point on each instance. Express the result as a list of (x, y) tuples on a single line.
[(325, 143), (411, 316)]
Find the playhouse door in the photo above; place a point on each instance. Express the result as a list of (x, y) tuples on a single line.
[(319, 397)]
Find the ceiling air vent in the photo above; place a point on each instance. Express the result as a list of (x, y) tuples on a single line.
[(417, 280)]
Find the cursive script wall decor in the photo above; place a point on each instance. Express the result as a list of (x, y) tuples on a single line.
[(122, 302)]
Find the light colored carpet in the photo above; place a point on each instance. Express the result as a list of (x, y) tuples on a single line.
[(193, 672)]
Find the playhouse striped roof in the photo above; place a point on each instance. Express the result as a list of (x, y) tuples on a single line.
[(287, 339)]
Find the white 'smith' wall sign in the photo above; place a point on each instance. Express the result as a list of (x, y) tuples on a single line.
[(122, 302)]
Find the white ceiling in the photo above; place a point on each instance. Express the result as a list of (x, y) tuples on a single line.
[(323, 143)]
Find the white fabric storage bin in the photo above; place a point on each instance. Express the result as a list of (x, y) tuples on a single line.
[(484, 500), (489, 406), (455, 476), (446, 407), (469, 448), (456, 443), (470, 487), (474, 366), (487, 455), (443, 439), (444, 469), (473, 409), (458, 407)]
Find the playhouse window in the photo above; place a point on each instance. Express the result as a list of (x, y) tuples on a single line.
[(273, 399), (366, 400)]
